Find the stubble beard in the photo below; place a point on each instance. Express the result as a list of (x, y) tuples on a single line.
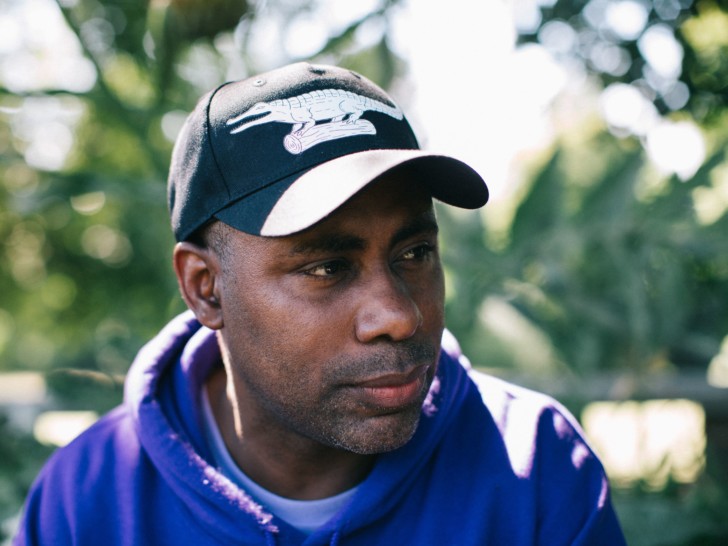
[(335, 424), (358, 438)]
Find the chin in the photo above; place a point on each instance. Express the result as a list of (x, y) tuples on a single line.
[(387, 433)]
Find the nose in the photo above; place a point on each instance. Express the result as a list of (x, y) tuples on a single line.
[(387, 311)]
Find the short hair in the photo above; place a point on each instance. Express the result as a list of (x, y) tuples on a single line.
[(212, 236)]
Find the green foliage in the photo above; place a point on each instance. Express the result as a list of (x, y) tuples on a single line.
[(586, 33), (681, 515), (615, 274)]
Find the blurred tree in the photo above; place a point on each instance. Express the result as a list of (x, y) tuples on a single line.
[(617, 275), (614, 264), (673, 51)]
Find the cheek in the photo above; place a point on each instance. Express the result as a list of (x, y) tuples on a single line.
[(271, 358), (281, 334), (430, 299)]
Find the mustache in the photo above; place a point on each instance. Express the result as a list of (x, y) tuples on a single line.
[(399, 358)]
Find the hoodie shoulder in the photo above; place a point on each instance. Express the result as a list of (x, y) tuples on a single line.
[(76, 483), (546, 445)]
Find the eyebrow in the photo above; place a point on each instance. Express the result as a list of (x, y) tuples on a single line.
[(331, 242), (341, 242), (423, 223)]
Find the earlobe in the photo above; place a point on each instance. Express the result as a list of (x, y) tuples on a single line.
[(197, 271)]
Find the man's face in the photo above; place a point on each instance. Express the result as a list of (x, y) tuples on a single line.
[(333, 334)]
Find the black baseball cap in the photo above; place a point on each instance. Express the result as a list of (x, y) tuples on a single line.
[(273, 154)]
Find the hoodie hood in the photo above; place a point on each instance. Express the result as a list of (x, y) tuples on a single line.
[(163, 396)]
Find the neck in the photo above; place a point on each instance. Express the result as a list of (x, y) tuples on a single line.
[(294, 467)]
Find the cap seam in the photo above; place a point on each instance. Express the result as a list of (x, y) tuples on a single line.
[(208, 135), (298, 173)]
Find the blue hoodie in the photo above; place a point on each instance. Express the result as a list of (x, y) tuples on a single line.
[(490, 464)]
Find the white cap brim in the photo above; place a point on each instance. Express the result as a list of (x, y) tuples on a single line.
[(323, 189)]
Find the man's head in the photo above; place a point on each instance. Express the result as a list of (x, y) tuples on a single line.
[(320, 270), (332, 332)]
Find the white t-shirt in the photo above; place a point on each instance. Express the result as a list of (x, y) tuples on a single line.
[(305, 515)]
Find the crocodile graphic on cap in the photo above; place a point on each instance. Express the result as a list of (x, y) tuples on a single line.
[(340, 110)]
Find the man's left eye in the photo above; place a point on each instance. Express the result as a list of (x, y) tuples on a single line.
[(419, 252)]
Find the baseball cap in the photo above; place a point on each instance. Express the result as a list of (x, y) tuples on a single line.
[(274, 154)]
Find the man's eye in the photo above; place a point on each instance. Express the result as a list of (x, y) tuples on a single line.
[(417, 253), (327, 269)]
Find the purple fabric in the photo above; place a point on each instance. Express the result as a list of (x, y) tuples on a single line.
[(489, 464)]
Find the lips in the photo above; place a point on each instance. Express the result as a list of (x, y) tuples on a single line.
[(393, 391)]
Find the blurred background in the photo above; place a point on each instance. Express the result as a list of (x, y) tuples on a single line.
[(598, 273)]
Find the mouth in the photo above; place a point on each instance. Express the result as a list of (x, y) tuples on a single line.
[(391, 392)]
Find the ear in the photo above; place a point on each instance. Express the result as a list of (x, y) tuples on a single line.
[(198, 271)]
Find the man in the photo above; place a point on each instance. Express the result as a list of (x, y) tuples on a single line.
[(312, 396)]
